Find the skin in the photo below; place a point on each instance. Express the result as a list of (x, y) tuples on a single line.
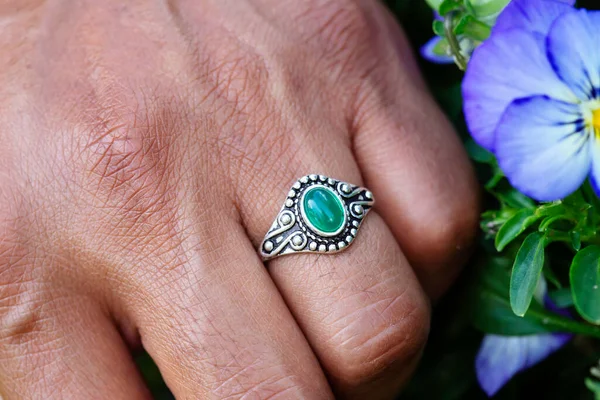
[(146, 149)]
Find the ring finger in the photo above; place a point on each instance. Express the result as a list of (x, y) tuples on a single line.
[(362, 310)]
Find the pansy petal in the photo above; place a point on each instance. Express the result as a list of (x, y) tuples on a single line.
[(501, 357), (543, 148), (505, 67), (532, 15), (428, 53), (574, 51), (595, 175)]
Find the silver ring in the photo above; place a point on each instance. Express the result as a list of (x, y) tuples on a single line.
[(319, 215)]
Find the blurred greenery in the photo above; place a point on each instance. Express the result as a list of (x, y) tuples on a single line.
[(447, 369)]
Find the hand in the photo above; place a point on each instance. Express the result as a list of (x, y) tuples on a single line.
[(146, 148)]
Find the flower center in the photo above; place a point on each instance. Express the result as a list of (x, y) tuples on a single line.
[(591, 117), (596, 120)]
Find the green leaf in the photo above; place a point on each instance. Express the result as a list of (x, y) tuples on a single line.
[(435, 4), (545, 225), (472, 28), (594, 387), (551, 209), (576, 199), (494, 181), (516, 225), (526, 272), (469, 7), (478, 153), (575, 240), (585, 283), (492, 220), (447, 6), (491, 312), (441, 48), (487, 9), (589, 194), (515, 199), (438, 28)]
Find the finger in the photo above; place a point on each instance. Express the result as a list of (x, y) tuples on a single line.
[(412, 159), (217, 327), (362, 310), (59, 345)]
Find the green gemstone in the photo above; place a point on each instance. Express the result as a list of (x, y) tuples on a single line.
[(323, 210)]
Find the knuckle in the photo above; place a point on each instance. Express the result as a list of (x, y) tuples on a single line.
[(455, 227), (392, 331), (15, 265), (21, 281), (342, 26), (20, 304), (129, 155), (119, 150), (21, 316), (23, 289), (231, 75)]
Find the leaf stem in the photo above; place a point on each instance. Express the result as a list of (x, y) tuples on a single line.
[(557, 236), (568, 325), (453, 41)]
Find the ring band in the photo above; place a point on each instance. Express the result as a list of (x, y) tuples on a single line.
[(319, 215)]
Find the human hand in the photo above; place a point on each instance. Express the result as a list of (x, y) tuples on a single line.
[(147, 148)]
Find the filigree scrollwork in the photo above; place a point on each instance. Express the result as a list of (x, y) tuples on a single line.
[(292, 233)]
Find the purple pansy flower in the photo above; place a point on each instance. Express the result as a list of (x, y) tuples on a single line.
[(532, 96), (502, 357)]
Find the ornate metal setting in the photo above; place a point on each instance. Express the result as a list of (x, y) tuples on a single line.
[(292, 231)]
